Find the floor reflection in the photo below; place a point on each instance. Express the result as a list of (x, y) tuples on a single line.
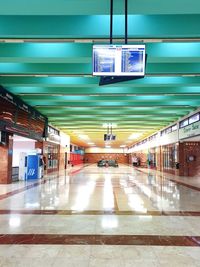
[(106, 189)]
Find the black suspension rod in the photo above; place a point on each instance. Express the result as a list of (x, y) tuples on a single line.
[(111, 21), (126, 21)]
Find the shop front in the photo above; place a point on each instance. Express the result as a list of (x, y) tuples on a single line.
[(51, 150), (20, 127), (170, 158), (189, 134)]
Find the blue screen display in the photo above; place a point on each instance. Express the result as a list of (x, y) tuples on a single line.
[(119, 60)]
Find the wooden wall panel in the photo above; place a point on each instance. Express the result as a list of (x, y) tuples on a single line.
[(95, 157), (6, 162), (189, 168), (62, 158)]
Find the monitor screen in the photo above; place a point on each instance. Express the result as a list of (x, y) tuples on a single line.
[(119, 60), (8, 108), (109, 137)]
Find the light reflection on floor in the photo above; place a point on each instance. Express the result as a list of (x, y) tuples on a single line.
[(94, 202)]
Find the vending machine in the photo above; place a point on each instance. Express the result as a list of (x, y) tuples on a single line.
[(31, 167)]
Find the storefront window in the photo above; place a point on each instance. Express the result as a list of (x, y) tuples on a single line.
[(194, 118), (52, 155), (170, 156), (152, 157)]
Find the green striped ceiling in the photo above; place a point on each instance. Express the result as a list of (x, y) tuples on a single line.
[(46, 59)]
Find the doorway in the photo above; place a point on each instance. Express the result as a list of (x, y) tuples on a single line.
[(66, 160)]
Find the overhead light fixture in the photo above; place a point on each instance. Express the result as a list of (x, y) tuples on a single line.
[(152, 40), (13, 41), (189, 75), (90, 143), (83, 136), (89, 41), (106, 125), (134, 136), (123, 146), (107, 146), (41, 75)]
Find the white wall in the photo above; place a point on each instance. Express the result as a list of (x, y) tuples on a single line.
[(169, 138), (65, 141), (21, 144), (166, 139)]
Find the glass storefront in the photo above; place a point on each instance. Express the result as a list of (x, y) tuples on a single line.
[(170, 157), (51, 152), (152, 162)]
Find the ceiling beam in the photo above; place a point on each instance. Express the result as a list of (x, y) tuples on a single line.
[(88, 7), (87, 82), (146, 26)]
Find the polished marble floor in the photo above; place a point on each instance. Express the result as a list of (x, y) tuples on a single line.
[(90, 216)]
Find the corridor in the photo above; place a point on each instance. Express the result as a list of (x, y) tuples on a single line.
[(109, 217)]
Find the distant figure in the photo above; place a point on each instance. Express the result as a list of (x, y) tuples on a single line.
[(149, 162), (44, 162), (135, 161)]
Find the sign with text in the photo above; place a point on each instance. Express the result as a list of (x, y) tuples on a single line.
[(190, 130)]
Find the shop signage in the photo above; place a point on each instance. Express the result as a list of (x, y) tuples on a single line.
[(53, 135), (19, 118), (190, 130), (53, 138)]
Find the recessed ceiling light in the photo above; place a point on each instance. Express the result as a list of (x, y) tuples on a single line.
[(13, 41), (83, 41), (134, 136), (83, 136), (113, 125), (152, 40), (41, 75)]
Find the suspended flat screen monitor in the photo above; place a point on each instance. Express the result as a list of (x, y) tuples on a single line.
[(119, 60), (109, 137)]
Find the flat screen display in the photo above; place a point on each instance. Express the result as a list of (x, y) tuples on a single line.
[(23, 116), (119, 60), (8, 109), (109, 137)]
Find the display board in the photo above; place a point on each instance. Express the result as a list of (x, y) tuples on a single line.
[(119, 60), (19, 118)]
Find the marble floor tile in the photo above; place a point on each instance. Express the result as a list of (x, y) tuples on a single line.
[(66, 262), (24, 262), (141, 263), (75, 252), (91, 192), (96, 262)]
